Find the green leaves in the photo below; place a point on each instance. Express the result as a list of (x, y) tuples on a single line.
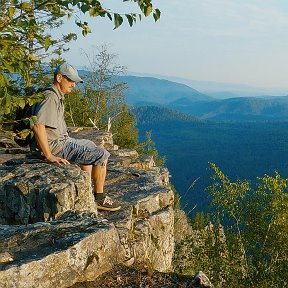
[(256, 219), (156, 15), (33, 58), (227, 195), (6, 103), (25, 43), (24, 133), (148, 10), (84, 8), (25, 6), (130, 19), (93, 12), (118, 20), (21, 103), (94, 9), (47, 43), (84, 26), (11, 12)]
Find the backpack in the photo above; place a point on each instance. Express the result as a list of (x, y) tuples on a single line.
[(23, 123), (22, 127)]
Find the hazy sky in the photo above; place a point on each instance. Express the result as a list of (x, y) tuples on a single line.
[(235, 41)]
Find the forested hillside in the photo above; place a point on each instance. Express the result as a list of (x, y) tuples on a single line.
[(154, 114), (244, 150), (237, 109)]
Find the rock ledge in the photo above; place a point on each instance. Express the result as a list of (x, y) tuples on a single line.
[(51, 234)]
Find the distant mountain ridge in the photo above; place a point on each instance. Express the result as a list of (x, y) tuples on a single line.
[(221, 90), (238, 109), (148, 90), (143, 91)]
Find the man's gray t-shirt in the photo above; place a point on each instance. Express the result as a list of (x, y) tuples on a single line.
[(50, 113)]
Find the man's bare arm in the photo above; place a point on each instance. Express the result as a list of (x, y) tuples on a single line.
[(41, 137)]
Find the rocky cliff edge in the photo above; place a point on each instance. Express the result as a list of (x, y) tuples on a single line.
[(51, 234)]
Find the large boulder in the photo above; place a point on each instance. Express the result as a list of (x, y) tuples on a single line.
[(76, 247), (33, 191)]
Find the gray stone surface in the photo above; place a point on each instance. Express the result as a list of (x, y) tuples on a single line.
[(101, 138), (33, 191), (200, 281), (59, 253), (76, 244)]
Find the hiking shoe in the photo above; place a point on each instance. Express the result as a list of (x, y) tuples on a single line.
[(107, 204)]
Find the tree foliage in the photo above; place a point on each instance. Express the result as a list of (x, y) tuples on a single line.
[(101, 102), (148, 147), (101, 87), (124, 132), (251, 250), (24, 26)]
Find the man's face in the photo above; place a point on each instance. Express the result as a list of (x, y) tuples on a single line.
[(65, 85)]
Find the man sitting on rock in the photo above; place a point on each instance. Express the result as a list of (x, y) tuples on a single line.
[(57, 147)]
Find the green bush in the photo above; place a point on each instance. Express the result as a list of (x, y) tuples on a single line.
[(251, 248)]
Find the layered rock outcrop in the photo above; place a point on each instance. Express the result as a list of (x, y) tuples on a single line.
[(51, 234)]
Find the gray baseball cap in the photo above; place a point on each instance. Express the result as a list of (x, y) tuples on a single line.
[(68, 71)]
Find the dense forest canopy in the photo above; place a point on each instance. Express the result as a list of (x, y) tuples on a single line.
[(242, 150)]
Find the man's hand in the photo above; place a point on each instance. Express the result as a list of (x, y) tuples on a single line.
[(41, 136), (57, 160)]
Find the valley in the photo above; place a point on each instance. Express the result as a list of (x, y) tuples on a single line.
[(242, 150)]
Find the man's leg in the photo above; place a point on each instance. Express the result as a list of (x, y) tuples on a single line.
[(85, 151), (87, 168), (98, 175)]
